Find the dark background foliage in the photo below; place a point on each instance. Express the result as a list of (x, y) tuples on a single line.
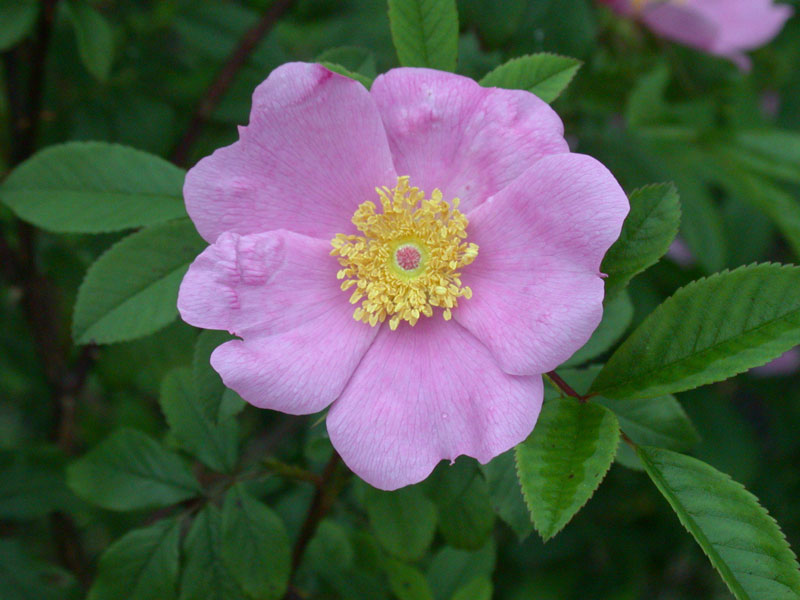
[(147, 74)]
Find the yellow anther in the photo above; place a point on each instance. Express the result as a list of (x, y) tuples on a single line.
[(407, 259)]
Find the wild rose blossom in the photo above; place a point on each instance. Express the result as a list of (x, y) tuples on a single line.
[(414, 257), (726, 28)]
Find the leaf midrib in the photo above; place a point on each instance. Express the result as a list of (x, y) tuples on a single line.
[(688, 521)]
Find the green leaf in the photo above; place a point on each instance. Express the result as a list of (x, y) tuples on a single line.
[(354, 58), (215, 444), (95, 38), (141, 565), (563, 461), (404, 521), (617, 317), (657, 421), (204, 576), (646, 235), (337, 68), (130, 470), (543, 74), (462, 498), (132, 290), (31, 489), (742, 540), (646, 105), (506, 494), (779, 205), (21, 577), (407, 582), (255, 546), (217, 401), (708, 331), (350, 61), (94, 187), (17, 18), (425, 33), (452, 569), (479, 588), (771, 152)]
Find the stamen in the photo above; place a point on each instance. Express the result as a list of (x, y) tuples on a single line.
[(408, 259)]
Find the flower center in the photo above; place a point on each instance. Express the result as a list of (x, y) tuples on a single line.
[(409, 257)]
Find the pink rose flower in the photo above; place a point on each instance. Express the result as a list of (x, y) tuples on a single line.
[(726, 28), (452, 309)]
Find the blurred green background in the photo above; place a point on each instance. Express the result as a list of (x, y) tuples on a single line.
[(650, 110)]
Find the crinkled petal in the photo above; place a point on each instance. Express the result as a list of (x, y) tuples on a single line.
[(446, 131), (537, 293), (314, 150), (278, 291), (426, 393)]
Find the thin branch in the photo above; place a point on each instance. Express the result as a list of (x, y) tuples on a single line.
[(225, 77), (39, 301), (332, 482), (565, 387)]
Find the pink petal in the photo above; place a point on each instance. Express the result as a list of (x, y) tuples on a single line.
[(279, 292), (682, 24), (742, 24), (428, 393), (537, 294), (448, 132), (314, 150)]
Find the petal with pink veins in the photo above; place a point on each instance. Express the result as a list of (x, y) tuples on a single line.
[(447, 132), (278, 291), (537, 293), (426, 393), (314, 150)]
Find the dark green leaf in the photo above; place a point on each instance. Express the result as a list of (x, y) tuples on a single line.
[(564, 460), (617, 317), (336, 68), (95, 38), (31, 489), (141, 565), (479, 588), (646, 235), (771, 152), (778, 204), (404, 521), (255, 546), (743, 542), (130, 470), (213, 443), (506, 495), (21, 577), (546, 75), (451, 569), (353, 58), (93, 187), (132, 289), (708, 331), (204, 576), (657, 421), (17, 18), (217, 401), (462, 498), (407, 582), (425, 33)]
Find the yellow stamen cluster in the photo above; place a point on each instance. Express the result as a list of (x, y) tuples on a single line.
[(431, 226)]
